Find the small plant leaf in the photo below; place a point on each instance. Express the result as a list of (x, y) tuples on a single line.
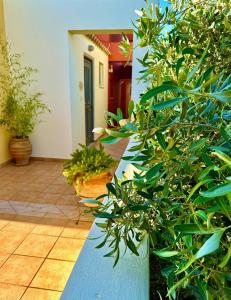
[(217, 191), (169, 103), (165, 253)]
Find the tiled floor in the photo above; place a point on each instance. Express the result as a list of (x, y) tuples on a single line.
[(39, 238)]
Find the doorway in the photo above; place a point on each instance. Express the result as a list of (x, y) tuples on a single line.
[(89, 101)]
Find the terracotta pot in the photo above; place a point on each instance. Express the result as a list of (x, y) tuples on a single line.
[(20, 150), (94, 187)]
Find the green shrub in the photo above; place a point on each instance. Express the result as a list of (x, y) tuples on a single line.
[(86, 163), (20, 105), (180, 193)]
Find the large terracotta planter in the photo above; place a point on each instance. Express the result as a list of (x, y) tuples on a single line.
[(20, 150), (94, 187)]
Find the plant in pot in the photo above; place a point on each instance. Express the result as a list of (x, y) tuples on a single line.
[(20, 105), (89, 170)]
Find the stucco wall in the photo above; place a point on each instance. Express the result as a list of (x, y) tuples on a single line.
[(39, 29), (78, 49), (4, 136)]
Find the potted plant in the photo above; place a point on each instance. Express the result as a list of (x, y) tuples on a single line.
[(20, 105), (180, 199), (89, 171)]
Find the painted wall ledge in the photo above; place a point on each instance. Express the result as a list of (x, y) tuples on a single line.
[(93, 276)]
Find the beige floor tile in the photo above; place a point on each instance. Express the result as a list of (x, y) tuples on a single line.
[(53, 275), (66, 249), (40, 294), (20, 270), (11, 292), (79, 231), (3, 257), (47, 229), (9, 241), (17, 226), (36, 245)]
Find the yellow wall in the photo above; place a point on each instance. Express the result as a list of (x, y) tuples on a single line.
[(4, 136)]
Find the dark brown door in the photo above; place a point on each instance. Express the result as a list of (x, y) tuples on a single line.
[(89, 107)]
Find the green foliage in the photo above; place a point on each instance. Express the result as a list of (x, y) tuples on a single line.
[(180, 193), (86, 163), (21, 107)]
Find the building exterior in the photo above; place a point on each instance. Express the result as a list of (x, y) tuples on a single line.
[(4, 137), (49, 34)]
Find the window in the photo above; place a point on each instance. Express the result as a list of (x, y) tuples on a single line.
[(101, 75)]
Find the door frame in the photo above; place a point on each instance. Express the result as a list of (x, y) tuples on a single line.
[(91, 60)]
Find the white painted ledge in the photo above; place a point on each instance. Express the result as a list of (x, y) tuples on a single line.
[(93, 276)]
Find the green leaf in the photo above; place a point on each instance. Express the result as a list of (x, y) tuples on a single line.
[(112, 116), (223, 157), (217, 191), (106, 216), (135, 158), (198, 145), (197, 186), (111, 188), (139, 207), (101, 244), (210, 246), (196, 68), (132, 246), (92, 201), (188, 50), (159, 89), (191, 228), (178, 284), (202, 215), (153, 171), (161, 140), (178, 65), (131, 106), (165, 253), (223, 96), (110, 140), (169, 103), (117, 134), (226, 258)]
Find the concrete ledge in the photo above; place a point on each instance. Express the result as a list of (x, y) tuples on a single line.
[(94, 277)]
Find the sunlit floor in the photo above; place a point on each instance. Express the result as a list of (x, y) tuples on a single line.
[(39, 238)]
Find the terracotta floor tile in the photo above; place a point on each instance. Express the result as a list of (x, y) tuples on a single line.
[(36, 245), (79, 231), (3, 258), (53, 275), (56, 188), (3, 223), (40, 294), (7, 216), (5, 204), (11, 292), (17, 226), (9, 241), (66, 249), (47, 229), (20, 270), (59, 215)]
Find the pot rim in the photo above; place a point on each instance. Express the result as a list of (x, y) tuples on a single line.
[(20, 138)]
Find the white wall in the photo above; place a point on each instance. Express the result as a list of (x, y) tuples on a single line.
[(78, 49), (39, 29)]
